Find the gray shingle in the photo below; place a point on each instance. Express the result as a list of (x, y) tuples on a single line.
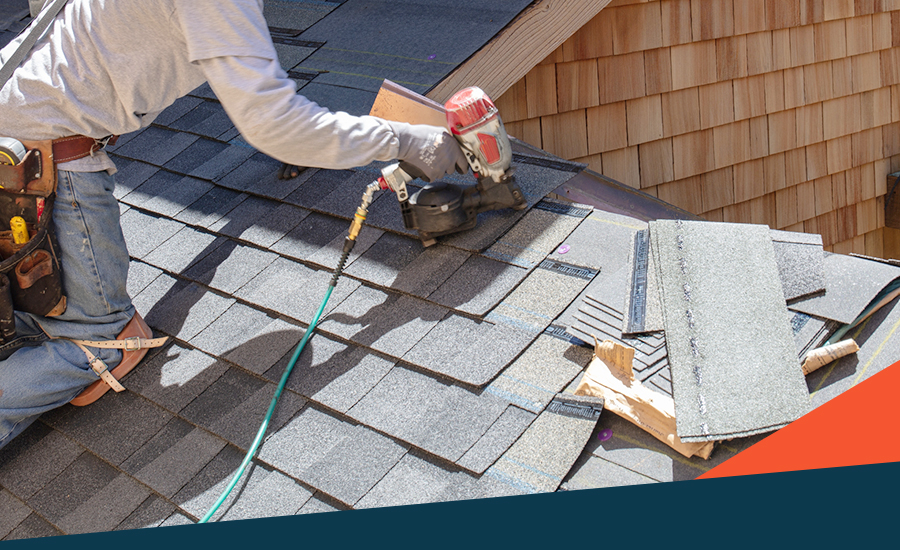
[(294, 15), (234, 327), (261, 221), (313, 232), (266, 346), (502, 433), (412, 481), (261, 492), (186, 310), (345, 196), (301, 290), (171, 433), (151, 513), (230, 266), (156, 146), (178, 463), (381, 263), (147, 300), (538, 300), (114, 426), (208, 118), (175, 376), (429, 270), (194, 156), (597, 473), (32, 527), (106, 508), (338, 98), (182, 250), (491, 225), (537, 234), (172, 200), (12, 512), (258, 175), (478, 285), (442, 419), (334, 374), (467, 350), (329, 255), (175, 111), (209, 208), (223, 163), (388, 322), (801, 263), (317, 506), (34, 458), (143, 232), (343, 460), (158, 183), (583, 246), (318, 185), (82, 478)]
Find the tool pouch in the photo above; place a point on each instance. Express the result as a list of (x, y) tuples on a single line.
[(7, 319), (32, 269)]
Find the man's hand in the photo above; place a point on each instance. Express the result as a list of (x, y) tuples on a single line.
[(428, 152), (289, 171)]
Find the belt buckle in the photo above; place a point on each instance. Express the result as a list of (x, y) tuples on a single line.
[(132, 343)]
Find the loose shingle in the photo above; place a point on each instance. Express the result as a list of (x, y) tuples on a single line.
[(442, 419), (175, 376), (801, 263), (602, 238), (478, 285), (106, 508), (388, 322), (34, 459)]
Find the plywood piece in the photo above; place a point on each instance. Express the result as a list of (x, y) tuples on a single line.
[(803, 45), (866, 71), (577, 85), (786, 212), (749, 180), (794, 89), (859, 35), (782, 131), (540, 91), (795, 166), (513, 104), (875, 108), (621, 77), (759, 53), (881, 31), (818, 82), (774, 91), (623, 166), (658, 71), (636, 28), (693, 64), (749, 97), (838, 9), (681, 112), (591, 41), (644, 119), (716, 104), (693, 153), (682, 193), (749, 17), (806, 200), (812, 11), (839, 154), (606, 128), (831, 40), (731, 57), (824, 200), (732, 143), (657, 164), (759, 137), (809, 124), (565, 134), (842, 77), (394, 102), (712, 19), (780, 14), (866, 146), (781, 49), (676, 21), (773, 166), (524, 42), (717, 189), (816, 160)]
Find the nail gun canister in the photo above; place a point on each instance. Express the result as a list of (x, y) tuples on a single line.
[(11, 151)]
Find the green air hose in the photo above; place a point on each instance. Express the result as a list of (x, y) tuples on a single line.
[(355, 227)]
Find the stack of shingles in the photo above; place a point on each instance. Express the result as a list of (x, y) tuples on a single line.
[(713, 300)]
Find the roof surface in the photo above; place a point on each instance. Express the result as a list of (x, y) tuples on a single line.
[(435, 374)]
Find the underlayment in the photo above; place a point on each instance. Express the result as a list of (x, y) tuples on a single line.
[(851, 284), (732, 353)]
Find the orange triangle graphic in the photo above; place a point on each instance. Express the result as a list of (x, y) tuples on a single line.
[(860, 426)]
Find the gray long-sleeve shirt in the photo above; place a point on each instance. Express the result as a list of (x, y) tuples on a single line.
[(111, 66)]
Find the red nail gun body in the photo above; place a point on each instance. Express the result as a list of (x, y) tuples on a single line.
[(444, 208)]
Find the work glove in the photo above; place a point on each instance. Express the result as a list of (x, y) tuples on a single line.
[(428, 152), (289, 171)]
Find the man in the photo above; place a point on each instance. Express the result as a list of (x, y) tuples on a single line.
[(109, 67)]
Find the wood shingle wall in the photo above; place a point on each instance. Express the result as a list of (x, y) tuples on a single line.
[(761, 111)]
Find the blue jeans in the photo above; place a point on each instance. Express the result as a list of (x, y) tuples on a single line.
[(37, 371)]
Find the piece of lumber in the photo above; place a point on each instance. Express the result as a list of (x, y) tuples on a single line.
[(610, 376), (394, 102), (525, 41)]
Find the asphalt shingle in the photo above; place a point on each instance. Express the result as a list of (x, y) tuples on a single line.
[(172, 464), (83, 478), (498, 438), (106, 508), (151, 513), (182, 250), (12, 512), (187, 309), (478, 285), (175, 376), (156, 146), (223, 163), (144, 232), (32, 527), (34, 459), (210, 207), (195, 156), (230, 266)]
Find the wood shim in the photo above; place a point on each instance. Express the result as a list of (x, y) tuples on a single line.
[(521, 45), (610, 376), (396, 103)]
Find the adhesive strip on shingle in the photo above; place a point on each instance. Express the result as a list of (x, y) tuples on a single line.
[(730, 379), (386, 321), (539, 460), (642, 309), (442, 419), (334, 374), (851, 283), (801, 263), (470, 351), (338, 458), (478, 285), (534, 236)]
